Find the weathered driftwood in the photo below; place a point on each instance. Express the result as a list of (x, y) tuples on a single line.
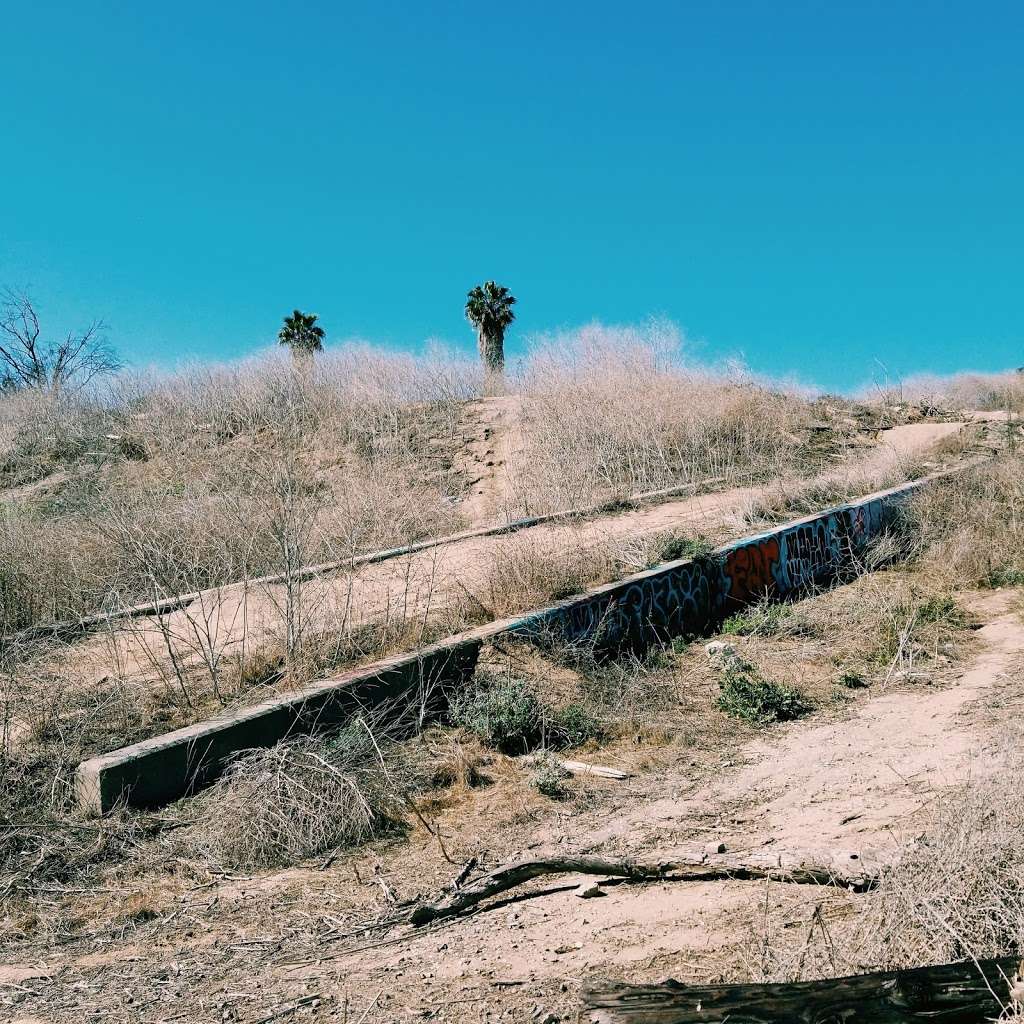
[(962, 993), (600, 770), (580, 767), (846, 870)]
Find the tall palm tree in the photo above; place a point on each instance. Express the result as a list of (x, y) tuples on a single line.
[(489, 310), (301, 333)]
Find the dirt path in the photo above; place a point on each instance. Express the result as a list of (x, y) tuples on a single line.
[(238, 948), (491, 431), (850, 784)]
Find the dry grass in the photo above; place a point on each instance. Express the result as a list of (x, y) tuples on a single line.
[(300, 797), (881, 629), (793, 497), (954, 890), (613, 411), (533, 569), (960, 391), (216, 474), (969, 527), (958, 891)]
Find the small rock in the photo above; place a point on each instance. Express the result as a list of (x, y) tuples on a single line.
[(715, 847), (719, 650), (588, 890)]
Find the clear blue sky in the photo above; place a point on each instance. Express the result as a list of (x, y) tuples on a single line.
[(813, 185)]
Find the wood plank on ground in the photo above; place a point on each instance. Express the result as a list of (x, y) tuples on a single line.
[(970, 992)]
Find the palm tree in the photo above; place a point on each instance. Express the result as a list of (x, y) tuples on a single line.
[(489, 310), (301, 333)]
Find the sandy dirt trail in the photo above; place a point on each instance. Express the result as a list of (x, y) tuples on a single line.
[(850, 783), (850, 779), (491, 431)]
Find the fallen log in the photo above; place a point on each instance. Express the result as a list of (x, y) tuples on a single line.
[(970, 992), (846, 870), (580, 767), (600, 770)]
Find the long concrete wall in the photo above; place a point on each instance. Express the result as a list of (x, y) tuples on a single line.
[(672, 599)]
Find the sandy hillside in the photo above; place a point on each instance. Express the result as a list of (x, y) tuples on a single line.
[(853, 778), (470, 575)]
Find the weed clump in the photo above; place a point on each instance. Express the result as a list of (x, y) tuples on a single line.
[(549, 777), (747, 695), (508, 715), (676, 547), (302, 796), (760, 620)]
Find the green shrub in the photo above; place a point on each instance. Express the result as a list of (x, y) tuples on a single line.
[(942, 608), (507, 714), (677, 546), (759, 620), (853, 681), (1005, 576), (570, 726), (746, 694), (548, 778)]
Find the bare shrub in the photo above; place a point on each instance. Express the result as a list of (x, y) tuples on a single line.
[(959, 391), (45, 731), (969, 526), (30, 360), (792, 496), (633, 693), (41, 430), (302, 796), (530, 570), (957, 892), (47, 571), (611, 411), (175, 483)]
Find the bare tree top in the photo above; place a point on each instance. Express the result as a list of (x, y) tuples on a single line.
[(28, 360)]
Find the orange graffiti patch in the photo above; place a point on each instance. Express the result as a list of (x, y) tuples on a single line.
[(749, 570)]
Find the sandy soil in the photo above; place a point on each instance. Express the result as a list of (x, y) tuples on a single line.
[(237, 948), (491, 431)]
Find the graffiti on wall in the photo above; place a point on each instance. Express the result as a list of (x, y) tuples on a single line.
[(663, 604), (687, 598), (752, 570)]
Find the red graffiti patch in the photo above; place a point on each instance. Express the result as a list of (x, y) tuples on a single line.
[(749, 570)]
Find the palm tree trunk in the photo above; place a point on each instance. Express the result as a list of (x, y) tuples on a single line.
[(492, 351)]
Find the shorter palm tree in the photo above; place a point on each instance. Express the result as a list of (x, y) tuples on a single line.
[(489, 310), (301, 333)]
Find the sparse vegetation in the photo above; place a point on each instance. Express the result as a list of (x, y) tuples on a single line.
[(549, 777), (507, 714), (219, 476), (762, 619), (746, 694), (968, 529), (300, 797), (613, 411)]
